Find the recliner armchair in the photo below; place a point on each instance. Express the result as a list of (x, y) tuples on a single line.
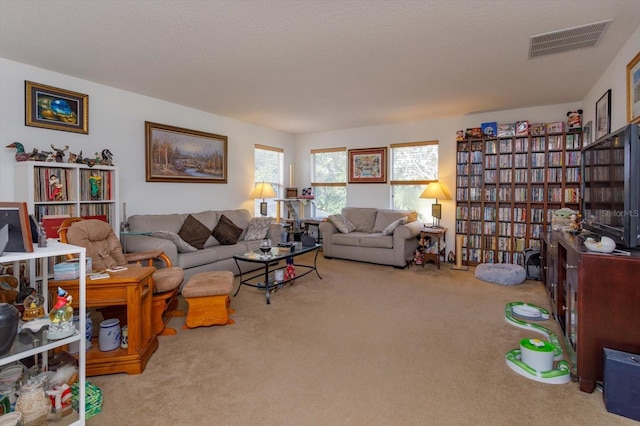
[(105, 251)]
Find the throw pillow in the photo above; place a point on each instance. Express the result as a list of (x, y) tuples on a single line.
[(342, 223), (182, 245), (413, 216), (226, 232), (393, 225), (194, 232), (258, 228)]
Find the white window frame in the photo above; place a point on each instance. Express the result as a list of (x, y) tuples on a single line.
[(340, 181)]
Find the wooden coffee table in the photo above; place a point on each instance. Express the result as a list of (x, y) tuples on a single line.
[(271, 263)]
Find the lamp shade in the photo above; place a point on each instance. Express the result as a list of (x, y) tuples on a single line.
[(263, 190), (436, 191)]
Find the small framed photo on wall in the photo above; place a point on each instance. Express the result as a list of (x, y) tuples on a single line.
[(603, 115)]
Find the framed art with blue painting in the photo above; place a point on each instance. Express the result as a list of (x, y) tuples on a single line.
[(174, 154), (56, 109)]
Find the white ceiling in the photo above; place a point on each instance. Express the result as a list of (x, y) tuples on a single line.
[(306, 66)]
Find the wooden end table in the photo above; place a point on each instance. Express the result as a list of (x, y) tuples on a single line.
[(438, 234), (133, 289)]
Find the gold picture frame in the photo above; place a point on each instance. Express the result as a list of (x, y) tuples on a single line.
[(368, 165), (53, 108), (16, 216), (633, 90), (174, 154)]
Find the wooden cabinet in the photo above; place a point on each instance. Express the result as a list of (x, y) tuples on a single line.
[(131, 291), (507, 190), (68, 189), (41, 344), (595, 302)]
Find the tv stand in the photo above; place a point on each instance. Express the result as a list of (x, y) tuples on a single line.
[(595, 299)]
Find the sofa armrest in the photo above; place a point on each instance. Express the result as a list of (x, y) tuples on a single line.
[(404, 242), (276, 233), (145, 243), (327, 229)]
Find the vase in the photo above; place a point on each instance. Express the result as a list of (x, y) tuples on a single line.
[(9, 317), (109, 338), (34, 404), (74, 347)]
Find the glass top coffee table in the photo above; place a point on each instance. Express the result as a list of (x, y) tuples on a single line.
[(271, 263)]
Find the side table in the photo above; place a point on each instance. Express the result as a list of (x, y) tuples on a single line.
[(435, 249), (131, 289)]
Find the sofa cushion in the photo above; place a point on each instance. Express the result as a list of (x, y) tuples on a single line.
[(226, 232), (350, 239), (194, 232), (201, 257), (182, 245), (258, 228), (377, 241), (362, 217), (385, 217), (341, 223), (393, 225)]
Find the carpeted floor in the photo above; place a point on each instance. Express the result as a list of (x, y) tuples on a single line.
[(367, 345)]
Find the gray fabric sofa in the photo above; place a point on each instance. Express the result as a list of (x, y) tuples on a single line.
[(213, 257), (367, 243)]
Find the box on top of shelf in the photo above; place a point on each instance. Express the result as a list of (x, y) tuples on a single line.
[(89, 263), (555, 127), (522, 128), (536, 129), (506, 130), (490, 129)]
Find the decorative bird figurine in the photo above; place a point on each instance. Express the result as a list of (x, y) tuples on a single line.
[(20, 154)]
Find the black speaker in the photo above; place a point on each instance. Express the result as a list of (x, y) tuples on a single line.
[(622, 383)]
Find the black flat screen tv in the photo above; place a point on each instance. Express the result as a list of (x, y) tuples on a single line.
[(611, 186)]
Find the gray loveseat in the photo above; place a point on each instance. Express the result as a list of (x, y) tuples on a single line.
[(366, 242), (162, 230)]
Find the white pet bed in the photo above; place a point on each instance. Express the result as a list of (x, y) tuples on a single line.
[(501, 273)]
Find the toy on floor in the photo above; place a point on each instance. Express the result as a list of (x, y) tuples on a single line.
[(534, 360)]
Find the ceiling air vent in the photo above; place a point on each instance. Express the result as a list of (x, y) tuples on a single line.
[(569, 39)]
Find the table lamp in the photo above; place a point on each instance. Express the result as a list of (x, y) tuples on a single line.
[(263, 190), (436, 191)]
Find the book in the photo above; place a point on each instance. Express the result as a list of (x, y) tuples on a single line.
[(473, 133), (99, 276), (52, 224), (116, 269), (555, 127), (536, 129)]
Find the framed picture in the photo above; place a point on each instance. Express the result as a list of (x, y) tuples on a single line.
[(181, 155), (586, 133), (603, 115), (56, 109), (633, 90), (368, 165), (16, 217)]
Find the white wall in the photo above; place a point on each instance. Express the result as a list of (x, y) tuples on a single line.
[(116, 121), (443, 130), (614, 78)]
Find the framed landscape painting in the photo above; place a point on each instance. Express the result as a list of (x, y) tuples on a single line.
[(174, 154), (368, 165), (56, 109), (633, 90), (603, 115)]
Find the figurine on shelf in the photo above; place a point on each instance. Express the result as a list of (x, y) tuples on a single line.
[(59, 153), (575, 227), (55, 188), (95, 180), (61, 316), (107, 157), (21, 155)]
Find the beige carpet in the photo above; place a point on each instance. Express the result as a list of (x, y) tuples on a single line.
[(366, 345)]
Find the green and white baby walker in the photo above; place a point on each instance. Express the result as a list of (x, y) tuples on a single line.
[(535, 358)]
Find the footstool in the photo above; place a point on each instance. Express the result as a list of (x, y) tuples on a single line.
[(207, 295)]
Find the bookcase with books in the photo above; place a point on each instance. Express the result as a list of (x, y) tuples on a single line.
[(54, 191), (508, 188)]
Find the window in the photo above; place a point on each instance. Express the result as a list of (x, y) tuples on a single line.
[(329, 180), (413, 166), (269, 168)]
